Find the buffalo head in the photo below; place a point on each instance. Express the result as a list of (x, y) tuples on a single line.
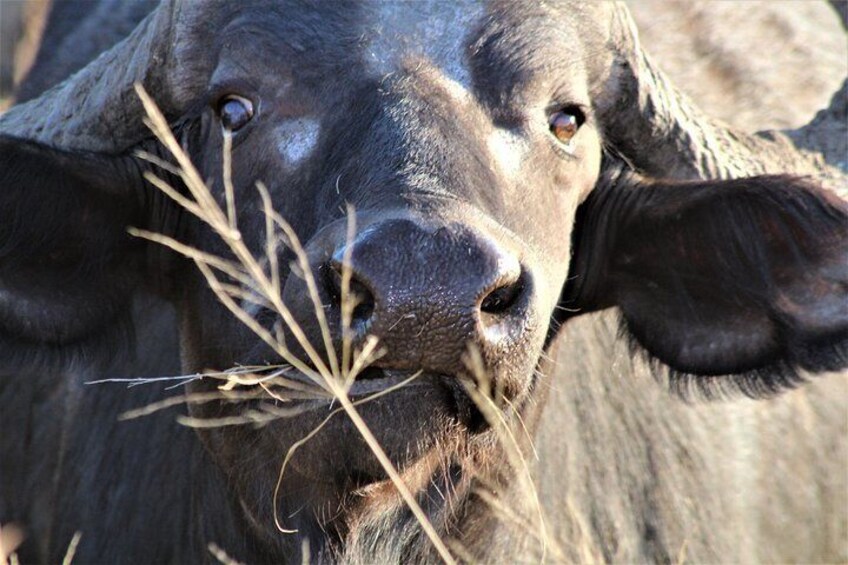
[(510, 166)]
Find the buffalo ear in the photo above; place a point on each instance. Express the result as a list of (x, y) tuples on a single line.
[(66, 260), (744, 277)]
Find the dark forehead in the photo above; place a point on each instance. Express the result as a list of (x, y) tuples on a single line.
[(337, 40)]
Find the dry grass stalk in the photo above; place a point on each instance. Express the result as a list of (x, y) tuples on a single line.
[(325, 372), (72, 549), (220, 555), (10, 538), (329, 375)]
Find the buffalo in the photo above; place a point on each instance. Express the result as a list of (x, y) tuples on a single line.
[(513, 170)]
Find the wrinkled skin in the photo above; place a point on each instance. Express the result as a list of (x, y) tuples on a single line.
[(464, 199)]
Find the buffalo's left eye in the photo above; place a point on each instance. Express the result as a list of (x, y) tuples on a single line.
[(564, 124), (235, 111)]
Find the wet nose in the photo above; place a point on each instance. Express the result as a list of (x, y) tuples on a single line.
[(426, 292)]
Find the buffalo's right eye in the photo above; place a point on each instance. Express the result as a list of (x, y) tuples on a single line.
[(235, 111)]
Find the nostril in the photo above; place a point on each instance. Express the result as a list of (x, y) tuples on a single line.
[(503, 297), (333, 283), (363, 303), (362, 298)]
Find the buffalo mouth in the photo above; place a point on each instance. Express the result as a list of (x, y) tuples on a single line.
[(374, 380), (405, 384), (409, 412)]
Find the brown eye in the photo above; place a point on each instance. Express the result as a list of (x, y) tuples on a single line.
[(234, 111), (564, 124)]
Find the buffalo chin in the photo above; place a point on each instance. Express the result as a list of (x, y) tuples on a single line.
[(335, 468)]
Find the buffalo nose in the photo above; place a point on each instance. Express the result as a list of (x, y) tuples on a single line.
[(502, 296), (427, 293)]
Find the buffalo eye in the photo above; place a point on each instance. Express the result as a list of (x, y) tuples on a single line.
[(234, 111), (563, 124)]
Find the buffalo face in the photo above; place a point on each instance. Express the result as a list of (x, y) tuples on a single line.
[(463, 196)]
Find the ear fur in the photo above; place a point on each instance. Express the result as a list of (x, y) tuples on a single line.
[(66, 261), (745, 277)]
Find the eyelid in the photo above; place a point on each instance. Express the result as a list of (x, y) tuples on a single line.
[(244, 88), (584, 109), (232, 96)]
